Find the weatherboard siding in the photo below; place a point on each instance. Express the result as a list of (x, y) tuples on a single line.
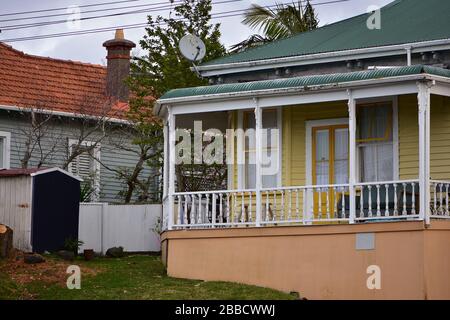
[(294, 138), (110, 185), (439, 137)]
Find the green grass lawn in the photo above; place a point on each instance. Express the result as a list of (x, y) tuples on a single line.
[(133, 277)]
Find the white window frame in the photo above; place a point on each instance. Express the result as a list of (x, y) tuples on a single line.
[(338, 121), (72, 142), (241, 148), (6, 149), (395, 144), (310, 124)]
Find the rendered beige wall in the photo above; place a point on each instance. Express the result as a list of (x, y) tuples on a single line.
[(319, 262)]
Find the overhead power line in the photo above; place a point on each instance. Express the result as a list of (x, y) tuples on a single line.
[(64, 8), (218, 15), (94, 10)]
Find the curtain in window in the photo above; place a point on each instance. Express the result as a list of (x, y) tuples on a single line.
[(270, 155), (375, 143), (322, 157), (341, 156)]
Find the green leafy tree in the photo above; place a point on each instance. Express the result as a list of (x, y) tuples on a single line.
[(163, 67), (281, 22), (159, 70)]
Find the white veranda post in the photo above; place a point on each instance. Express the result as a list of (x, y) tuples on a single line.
[(171, 161), (258, 133), (352, 154), (424, 149)]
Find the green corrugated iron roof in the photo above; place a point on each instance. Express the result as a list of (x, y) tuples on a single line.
[(306, 81), (402, 21)]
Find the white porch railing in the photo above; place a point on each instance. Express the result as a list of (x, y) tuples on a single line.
[(215, 208), (374, 201), (439, 197), (391, 200)]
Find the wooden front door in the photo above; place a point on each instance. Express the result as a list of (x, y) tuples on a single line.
[(329, 165)]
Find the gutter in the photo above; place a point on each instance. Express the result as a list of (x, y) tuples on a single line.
[(63, 114), (161, 105), (364, 53)]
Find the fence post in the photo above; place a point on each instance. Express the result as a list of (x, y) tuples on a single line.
[(102, 226)]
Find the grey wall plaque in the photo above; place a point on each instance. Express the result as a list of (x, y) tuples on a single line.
[(365, 241)]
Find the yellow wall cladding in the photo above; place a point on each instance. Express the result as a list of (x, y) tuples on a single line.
[(294, 136), (409, 137), (294, 131)]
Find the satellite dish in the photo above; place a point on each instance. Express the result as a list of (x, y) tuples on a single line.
[(192, 47)]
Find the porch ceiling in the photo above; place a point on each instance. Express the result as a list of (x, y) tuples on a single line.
[(304, 82)]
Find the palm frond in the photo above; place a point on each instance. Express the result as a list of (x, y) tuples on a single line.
[(254, 40), (283, 21)]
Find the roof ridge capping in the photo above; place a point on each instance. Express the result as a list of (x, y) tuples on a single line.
[(50, 59), (306, 81)]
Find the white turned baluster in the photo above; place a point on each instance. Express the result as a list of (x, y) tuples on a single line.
[(185, 218), (228, 208), (395, 200), (250, 207), (235, 213), (336, 199), (328, 203), (435, 199), (267, 206), (207, 209), (446, 199), (305, 206), (214, 212), (297, 204), (404, 212), (361, 203), (193, 209), (242, 207), (370, 200), (343, 202), (282, 213), (290, 205), (441, 205), (386, 210), (199, 217), (274, 206), (179, 210), (413, 209), (220, 208), (319, 215), (378, 201)]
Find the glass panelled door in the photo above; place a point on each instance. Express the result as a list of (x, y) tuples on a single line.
[(330, 164)]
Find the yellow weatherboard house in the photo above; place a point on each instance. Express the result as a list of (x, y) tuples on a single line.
[(356, 123)]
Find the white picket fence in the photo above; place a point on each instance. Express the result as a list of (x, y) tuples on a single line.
[(134, 227)]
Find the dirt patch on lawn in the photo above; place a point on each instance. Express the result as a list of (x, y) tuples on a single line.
[(52, 271)]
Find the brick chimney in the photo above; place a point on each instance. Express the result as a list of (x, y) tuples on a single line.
[(118, 68)]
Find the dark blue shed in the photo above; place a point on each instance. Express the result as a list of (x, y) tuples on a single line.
[(41, 206)]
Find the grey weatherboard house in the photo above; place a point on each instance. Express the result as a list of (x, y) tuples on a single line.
[(80, 99)]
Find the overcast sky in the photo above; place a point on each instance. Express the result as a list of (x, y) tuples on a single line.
[(88, 48)]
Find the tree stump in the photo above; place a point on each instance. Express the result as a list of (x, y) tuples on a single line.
[(6, 241)]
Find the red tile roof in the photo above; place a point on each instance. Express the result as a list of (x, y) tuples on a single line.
[(52, 84)]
